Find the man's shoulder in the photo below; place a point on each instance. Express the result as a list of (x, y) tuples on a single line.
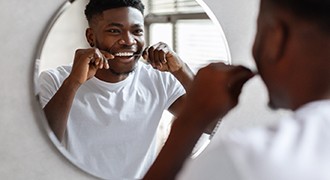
[(292, 128), (63, 70), (57, 74), (142, 65), (145, 68)]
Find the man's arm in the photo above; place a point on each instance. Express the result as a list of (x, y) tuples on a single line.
[(58, 108), (177, 148), (185, 76), (85, 65), (213, 94), (163, 58)]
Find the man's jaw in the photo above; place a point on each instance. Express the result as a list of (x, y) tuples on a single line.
[(120, 73)]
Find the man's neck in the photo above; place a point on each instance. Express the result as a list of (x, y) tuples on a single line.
[(108, 75)]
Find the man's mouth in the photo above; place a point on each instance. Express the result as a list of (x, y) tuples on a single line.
[(124, 54), (126, 57)]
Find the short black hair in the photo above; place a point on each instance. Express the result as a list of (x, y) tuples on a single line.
[(96, 7), (317, 11)]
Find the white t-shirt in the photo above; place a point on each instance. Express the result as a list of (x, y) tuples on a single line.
[(297, 147), (111, 127)]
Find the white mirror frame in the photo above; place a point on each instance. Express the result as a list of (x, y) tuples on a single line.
[(58, 17)]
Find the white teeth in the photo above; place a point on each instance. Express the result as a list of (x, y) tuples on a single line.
[(124, 54)]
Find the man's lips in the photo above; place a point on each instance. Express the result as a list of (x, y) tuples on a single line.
[(126, 57), (123, 54), (127, 54)]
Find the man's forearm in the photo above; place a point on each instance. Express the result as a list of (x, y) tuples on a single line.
[(177, 148), (58, 108), (185, 76)]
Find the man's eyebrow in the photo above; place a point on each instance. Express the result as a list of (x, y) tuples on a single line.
[(121, 25), (115, 24), (137, 25)]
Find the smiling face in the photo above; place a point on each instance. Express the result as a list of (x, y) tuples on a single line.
[(119, 31)]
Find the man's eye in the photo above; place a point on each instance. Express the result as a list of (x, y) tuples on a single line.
[(139, 31), (113, 31)]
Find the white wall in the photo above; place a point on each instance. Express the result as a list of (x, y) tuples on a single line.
[(26, 151)]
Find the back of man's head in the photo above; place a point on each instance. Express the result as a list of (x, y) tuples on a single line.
[(293, 53), (96, 7), (317, 11)]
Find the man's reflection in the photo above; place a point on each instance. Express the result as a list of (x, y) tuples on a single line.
[(106, 106)]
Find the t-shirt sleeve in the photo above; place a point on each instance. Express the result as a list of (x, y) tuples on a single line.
[(174, 90), (48, 86)]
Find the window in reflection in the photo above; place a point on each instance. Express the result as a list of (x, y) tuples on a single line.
[(185, 26), (174, 6)]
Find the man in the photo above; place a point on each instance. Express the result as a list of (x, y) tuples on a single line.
[(106, 107), (291, 51)]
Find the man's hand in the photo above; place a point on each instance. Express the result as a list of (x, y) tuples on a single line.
[(87, 62), (215, 91), (163, 58)]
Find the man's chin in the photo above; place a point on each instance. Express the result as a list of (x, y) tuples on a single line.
[(121, 68), (276, 105), (272, 106), (121, 71)]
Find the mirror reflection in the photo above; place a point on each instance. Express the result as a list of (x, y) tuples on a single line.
[(113, 74)]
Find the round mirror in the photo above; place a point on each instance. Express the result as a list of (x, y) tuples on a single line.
[(107, 137)]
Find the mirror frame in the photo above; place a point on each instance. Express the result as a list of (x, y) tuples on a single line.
[(67, 4)]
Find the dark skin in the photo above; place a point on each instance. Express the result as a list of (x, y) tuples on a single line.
[(117, 41), (209, 99), (292, 56)]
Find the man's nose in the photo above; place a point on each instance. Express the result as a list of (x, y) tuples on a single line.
[(127, 39)]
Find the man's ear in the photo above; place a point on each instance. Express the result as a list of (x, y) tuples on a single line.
[(278, 40), (90, 36)]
